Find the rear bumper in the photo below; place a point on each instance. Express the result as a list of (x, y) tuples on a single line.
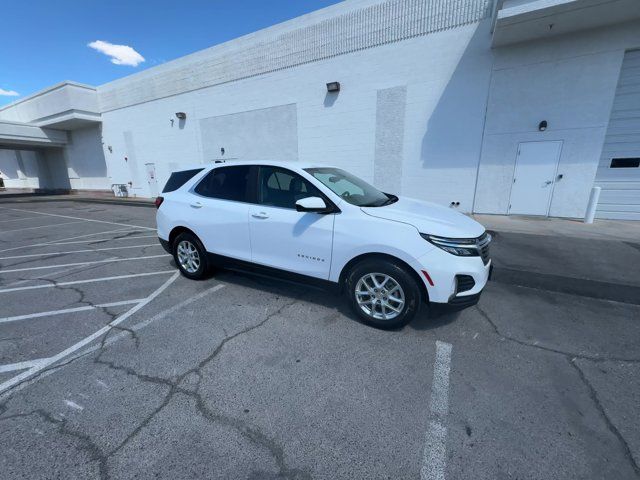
[(165, 245)]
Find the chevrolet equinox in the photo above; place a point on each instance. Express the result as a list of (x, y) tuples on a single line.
[(388, 254)]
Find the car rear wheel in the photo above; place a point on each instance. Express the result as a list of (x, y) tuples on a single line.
[(190, 256), (382, 293)]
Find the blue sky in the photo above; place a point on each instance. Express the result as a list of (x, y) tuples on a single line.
[(43, 42)]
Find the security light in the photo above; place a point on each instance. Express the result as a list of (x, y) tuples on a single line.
[(542, 126), (333, 87), (181, 115)]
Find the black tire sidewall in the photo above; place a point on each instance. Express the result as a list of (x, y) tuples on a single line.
[(398, 273), (202, 272)]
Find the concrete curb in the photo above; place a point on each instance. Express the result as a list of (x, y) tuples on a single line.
[(70, 198)]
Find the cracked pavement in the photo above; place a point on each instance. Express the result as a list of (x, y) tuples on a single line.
[(251, 378)]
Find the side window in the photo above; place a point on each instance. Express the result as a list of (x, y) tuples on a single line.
[(226, 183), (177, 179), (278, 187)]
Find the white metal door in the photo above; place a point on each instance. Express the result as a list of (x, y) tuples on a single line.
[(534, 177), (151, 179)]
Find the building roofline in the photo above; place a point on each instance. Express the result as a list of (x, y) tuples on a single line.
[(47, 90), (344, 6)]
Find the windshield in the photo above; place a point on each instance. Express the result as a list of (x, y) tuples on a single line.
[(351, 188)]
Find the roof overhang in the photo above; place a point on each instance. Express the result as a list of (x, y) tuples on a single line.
[(66, 106), (70, 120), (15, 134), (521, 20)]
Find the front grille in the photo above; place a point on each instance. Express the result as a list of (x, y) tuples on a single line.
[(483, 242), (464, 283)]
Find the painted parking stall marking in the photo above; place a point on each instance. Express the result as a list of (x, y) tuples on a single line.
[(44, 363), (57, 276), (51, 313), (434, 458), (109, 260), (81, 218), (91, 280), (79, 251)]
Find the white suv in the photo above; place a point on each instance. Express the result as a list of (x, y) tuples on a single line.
[(319, 223)]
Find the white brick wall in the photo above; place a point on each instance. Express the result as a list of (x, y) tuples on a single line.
[(293, 43), (339, 130), (569, 81)]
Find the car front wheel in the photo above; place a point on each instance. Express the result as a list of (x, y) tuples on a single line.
[(382, 293), (190, 256)]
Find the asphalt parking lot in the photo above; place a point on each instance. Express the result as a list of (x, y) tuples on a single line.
[(114, 366)]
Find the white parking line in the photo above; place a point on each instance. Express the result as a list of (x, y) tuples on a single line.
[(104, 240), (117, 230), (45, 276), (39, 226), (68, 310), (16, 219), (120, 335), (80, 251), (97, 334), (120, 230), (80, 218), (91, 280), (109, 260), (434, 458), (12, 367)]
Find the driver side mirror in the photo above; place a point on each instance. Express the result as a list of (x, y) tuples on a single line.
[(312, 204)]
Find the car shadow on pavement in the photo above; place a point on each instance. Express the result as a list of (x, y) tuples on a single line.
[(429, 317), (434, 316)]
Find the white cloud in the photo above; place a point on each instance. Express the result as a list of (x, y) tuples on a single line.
[(120, 54), (8, 93)]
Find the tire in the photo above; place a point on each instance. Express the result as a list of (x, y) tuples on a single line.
[(373, 306), (190, 256)]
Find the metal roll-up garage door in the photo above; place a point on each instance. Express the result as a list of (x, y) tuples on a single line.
[(619, 168)]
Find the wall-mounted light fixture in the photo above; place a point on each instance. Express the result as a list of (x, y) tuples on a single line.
[(181, 115), (542, 126), (333, 87)]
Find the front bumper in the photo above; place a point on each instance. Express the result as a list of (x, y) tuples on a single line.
[(457, 281), (464, 301)]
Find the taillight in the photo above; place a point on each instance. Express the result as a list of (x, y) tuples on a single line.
[(158, 201)]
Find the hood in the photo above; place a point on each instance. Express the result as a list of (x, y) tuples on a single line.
[(428, 218)]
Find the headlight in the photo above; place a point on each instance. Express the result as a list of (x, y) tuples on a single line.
[(461, 247)]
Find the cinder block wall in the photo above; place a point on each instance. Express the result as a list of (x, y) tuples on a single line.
[(569, 81), (414, 80)]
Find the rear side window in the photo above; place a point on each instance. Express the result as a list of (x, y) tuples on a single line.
[(177, 179), (226, 183)]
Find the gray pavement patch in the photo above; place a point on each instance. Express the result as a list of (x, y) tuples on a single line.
[(596, 400), (575, 286)]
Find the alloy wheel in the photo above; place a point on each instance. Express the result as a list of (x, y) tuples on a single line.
[(380, 296), (188, 256)]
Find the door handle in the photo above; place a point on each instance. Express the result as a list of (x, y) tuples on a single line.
[(196, 205), (548, 182), (260, 215)]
